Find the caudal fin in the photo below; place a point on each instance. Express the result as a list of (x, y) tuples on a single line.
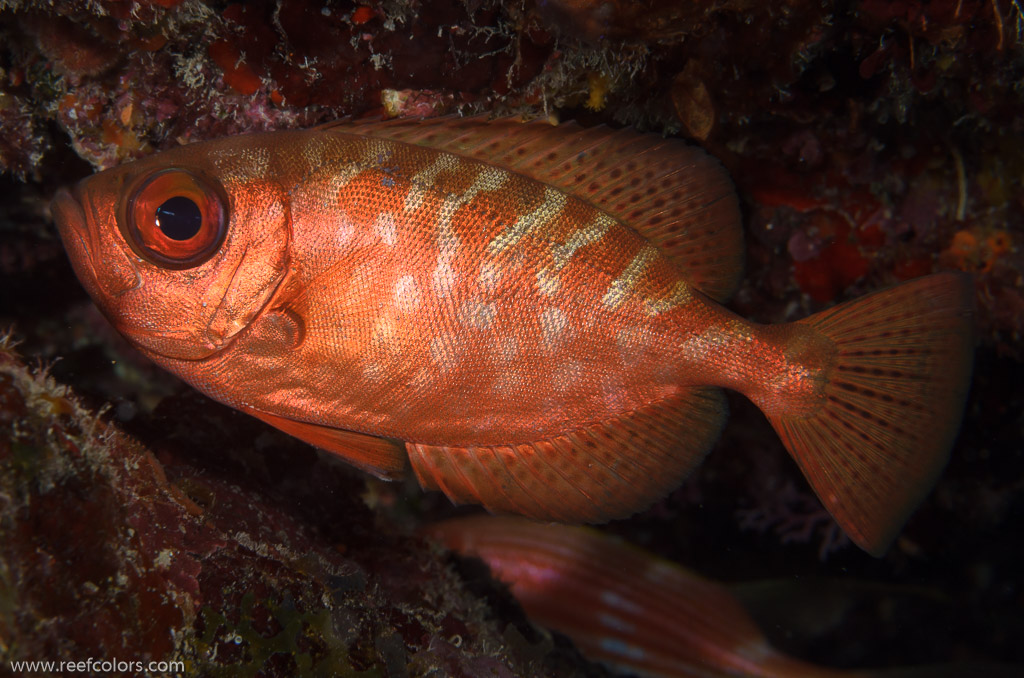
[(892, 404)]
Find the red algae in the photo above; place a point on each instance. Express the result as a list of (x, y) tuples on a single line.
[(362, 15), (824, 277), (238, 75), (76, 50)]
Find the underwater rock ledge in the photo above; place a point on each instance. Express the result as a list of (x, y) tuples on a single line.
[(108, 553)]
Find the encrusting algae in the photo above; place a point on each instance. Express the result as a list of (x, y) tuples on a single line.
[(111, 553)]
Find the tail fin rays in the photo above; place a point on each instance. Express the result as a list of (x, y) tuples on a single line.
[(892, 404)]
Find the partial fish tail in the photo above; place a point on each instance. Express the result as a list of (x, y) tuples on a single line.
[(889, 403), (623, 606)]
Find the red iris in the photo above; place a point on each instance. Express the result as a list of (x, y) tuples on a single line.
[(176, 219)]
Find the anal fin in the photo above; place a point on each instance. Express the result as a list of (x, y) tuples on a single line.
[(383, 457), (599, 472)]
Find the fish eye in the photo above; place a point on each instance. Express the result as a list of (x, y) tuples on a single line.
[(176, 219), (179, 218)]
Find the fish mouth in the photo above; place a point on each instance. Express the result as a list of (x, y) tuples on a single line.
[(68, 213), (69, 216), (103, 267)]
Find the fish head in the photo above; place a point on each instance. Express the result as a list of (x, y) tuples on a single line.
[(182, 250)]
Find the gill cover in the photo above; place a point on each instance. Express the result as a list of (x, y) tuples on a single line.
[(205, 237)]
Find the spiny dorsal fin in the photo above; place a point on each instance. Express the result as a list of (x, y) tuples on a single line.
[(597, 473), (672, 193)]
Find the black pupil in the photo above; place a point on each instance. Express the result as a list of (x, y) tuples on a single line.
[(179, 218)]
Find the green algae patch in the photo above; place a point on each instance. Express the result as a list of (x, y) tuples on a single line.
[(309, 640)]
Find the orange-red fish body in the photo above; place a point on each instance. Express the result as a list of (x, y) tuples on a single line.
[(449, 302), (530, 311), (446, 301)]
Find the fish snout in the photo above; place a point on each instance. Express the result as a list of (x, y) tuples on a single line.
[(73, 226), (70, 217), (102, 266)]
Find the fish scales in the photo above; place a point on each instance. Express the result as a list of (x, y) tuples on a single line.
[(482, 326), (526, 315)]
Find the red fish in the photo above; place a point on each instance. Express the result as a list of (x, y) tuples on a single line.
[(621, 605), (649, 617), (527, 315)]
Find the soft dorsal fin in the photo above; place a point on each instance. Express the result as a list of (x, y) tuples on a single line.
[(382, 457), (597, 473), (672, 193)]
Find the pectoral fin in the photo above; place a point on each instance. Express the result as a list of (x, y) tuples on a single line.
[(383, 457)]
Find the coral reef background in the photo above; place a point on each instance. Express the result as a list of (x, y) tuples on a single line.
[(870, 141)]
